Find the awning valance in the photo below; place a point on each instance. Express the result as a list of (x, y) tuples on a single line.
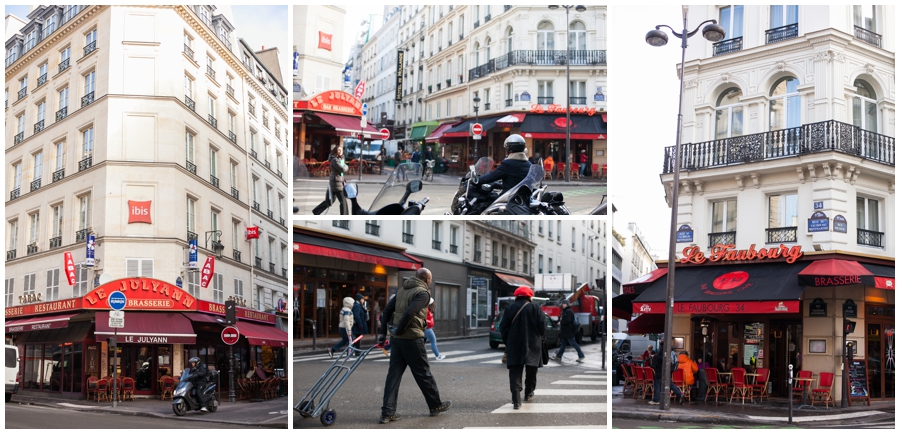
[(20, 325), (462, 129), (514, 280), (354, 252), (883, 276), (260, 334), (348, 125), (148, 328), (553, 126), (422, 129), (75, 332), (438, 132), (622, 303), (646, 324)]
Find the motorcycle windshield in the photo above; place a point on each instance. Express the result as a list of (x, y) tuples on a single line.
[(483, 166), (394, 188), (532, 181)]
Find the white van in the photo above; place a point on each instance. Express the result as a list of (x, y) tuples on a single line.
[(12, 370)]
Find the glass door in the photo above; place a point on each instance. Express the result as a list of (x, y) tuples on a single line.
[(880, 355)]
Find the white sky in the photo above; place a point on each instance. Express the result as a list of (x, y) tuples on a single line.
[(355, 15)]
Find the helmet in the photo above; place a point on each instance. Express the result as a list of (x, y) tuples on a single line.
[(194, 360), (514, 143)]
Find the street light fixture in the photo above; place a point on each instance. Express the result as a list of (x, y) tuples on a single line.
[(217, 246), (657, 38), (578, 8), (476, 100)]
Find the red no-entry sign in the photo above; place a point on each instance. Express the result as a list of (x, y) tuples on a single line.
[(385, 134), (477, 129), (230, 335)]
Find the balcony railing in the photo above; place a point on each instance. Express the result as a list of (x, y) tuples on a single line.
[(487, 18), (236, 255), (14, 193), (509, 102), (39, 126), (453, 249), (87, 99), (64, 65), (781, 235), (281, 221), (722, 238), (42, 79), (212, 121), (503, 263), (342, 224), (191, 167), (86, 163), (284, 272), (270, 214), (81, 235), (10, 255), (188, 52), (214, 181), (272, 267), (256, 205), (62, 113), (35, 184), (210, 72), (232, 137), (59, 175), (475, 26), (22, 92), (191, 236), (268, 166), (229, 90), (545, 100), (577, 100), (826, 136), (55, 242), (257, 262), (539, 57), (728, 46), (18, 138), (436, 245), (782, 33), (869, 238), (408, 238), (495, 261), (372, 229), (867, 36), (89, 48), (476, 256), (254, 154), (235, 193), (506, 7), (32, 248)]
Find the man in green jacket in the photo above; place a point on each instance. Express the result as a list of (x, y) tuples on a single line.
[(404, 317)]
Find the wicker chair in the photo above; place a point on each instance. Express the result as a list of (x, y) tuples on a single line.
[(738, 380), (822, 393), (649, 383), (712, 375), (92, 387), (102, 393), (761, 386)]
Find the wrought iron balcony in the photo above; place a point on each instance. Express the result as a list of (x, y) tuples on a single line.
[(35, 184), (867, 36), (476, 256), (210, 72), (270, 214), (487, 106), (436, 245), (265, 121), (512, 264), (86, 163), (869, 238), (509, 102), (188, 52), (781, 235), (18, 138), (87, 99), (272, 267), (268, 166), (229, 90), (453, 249), (212, 121), (64, 65), (728, 46), (89, 48), (32, 248), (214, 181), (236, 255), (10, 254), (256, 205), (257, 262), (38, 126), (826, 136), (782, 33), (81, 236), (14, 193), (55, 242), (372, 229), (22, 92), (487, 18), (506, 7), (42, 79), (475, 26), (232, 137), (503, 263), (281, 221), (539, 57), (408, 238), (342, 224), (59, 175), (253, 154), (280, 175), (284, 272), (252, 109), (235, 193), (495, 261), (577, 100), (62, 113), (722, 238), (545, 100), (191, 167)]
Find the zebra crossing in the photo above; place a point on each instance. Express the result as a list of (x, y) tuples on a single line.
[(491, 357)]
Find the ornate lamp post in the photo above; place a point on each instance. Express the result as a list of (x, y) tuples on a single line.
[(657, 38), (476, 100), (579, 8)]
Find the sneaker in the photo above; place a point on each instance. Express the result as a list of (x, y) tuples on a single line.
[(391, 418), (443, 407), (441, 357), (330, 353), (580, 360), (653, 403), (556, 359), (203, 410)]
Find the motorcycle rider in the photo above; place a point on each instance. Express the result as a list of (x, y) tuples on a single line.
[(428, 155), (199, 373), (513, 169)]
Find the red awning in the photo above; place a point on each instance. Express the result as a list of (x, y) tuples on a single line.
[(148, 328), (646, 324), (39, 323), (514, 280), (603, 116), (259, 334), (438, 132), (348, 125), (629, 287), (200, 317), (560, 136), (410, 263), (833, 272), (510, 119)]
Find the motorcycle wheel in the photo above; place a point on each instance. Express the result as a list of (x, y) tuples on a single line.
[(179, 408), (213, 406), (454, 206), (328, 417)]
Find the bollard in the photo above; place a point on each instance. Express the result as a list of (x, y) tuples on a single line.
[(791, 391)]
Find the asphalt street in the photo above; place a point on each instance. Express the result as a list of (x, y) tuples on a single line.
[(580, 199), (644, 424), (568, 394), (38, 417)]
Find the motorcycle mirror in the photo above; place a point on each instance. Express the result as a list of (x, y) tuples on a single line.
[(350, 191), (414, 186)]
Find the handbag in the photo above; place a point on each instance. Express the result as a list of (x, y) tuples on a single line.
[(545, 352)]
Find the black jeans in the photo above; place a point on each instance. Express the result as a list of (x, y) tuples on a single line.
[(515, 381), (409, 352), (199, 387), (336, 195)]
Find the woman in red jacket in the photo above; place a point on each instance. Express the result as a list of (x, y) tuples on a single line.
[(429, 331)]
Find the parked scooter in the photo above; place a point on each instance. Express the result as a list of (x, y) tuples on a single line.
[(185, 397), (392, 199)]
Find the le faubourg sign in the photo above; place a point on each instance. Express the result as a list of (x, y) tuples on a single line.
[(727, 253)]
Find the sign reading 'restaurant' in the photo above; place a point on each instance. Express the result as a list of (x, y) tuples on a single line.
[(727, 252)]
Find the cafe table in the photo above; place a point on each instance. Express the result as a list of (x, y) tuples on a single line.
[(751, 379), (806, 387)]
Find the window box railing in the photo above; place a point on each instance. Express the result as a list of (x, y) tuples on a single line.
[(545, 100), (188, 52), (10, 255), (86, 163), (252, 109), (512, 264), (728, 46), (577, 100), (214, 181), (212, 121), (265, 120), (42, 80), (32, 248), (87, 99), (722, 238), (509, 102), (781, 235), (272, 267), (257, 262), (236, 255), (253, 154), (826, 136), (191, 236), (232, 137), (284, 272), (89, 48), (503, 263), (55, 242), (235, 193), (539, 57), (23, 92), (436, 245), (35, 184), (281, 221), (191, 167), (64, 65), (59, 175), (81, 235), (506, 7), (476, 256), (867, 36), (39, 126), (372, 229), (14, 193), (18, 138), (782, 33), (408, 238), (453, 248), (869, 238), (256, 205), (487, 106), (475, 26), (210, 72), (495, 261), (280, 175), (270, 214), (268, 166), (62, 113), (487, 18), (342, 224), (229, 90)]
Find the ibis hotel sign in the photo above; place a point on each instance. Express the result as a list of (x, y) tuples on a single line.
[(143, 294), (728, 253)]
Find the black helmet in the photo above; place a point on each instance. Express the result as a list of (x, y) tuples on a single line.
[(194, 360), (514, 143)]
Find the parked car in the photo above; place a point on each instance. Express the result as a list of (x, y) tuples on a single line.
[(12, 371), (551, 334)]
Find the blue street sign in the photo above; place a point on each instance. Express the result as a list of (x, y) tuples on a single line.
[(365, 109), (818, 205), (117, 300), (840, 224), (178, 282), (817, 225), (684, 234)]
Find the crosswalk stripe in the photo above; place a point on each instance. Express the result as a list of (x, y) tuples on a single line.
[(431, 356), (467, 358), (499, 362), (537, 427), (569, 392), (594, 372), (592, 377), (581, 382), (571, 407)]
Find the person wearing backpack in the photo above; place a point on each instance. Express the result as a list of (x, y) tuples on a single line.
[(345, 326), (567, 327), (657, 366)]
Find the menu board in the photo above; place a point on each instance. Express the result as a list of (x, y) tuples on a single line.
[(859, 385)]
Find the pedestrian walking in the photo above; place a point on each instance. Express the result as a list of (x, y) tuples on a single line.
[(429, 331), (702, 379), (416, 157), (404, 317), (657, 365), (398, 157), (335, 182), (360, 327), (582, 163), (522, 330), (345, 326), (567, 332)]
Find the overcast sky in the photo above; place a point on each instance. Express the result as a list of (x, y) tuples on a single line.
[(352, 22)]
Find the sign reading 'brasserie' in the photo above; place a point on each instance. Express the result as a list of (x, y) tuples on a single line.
[(727, 252), (143, 294)]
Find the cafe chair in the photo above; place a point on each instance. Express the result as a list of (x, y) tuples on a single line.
[(761, 385), (574, 169), (715, 387), (127, 388), (560, 170), (92, 386), (102, 393), (628, 373), (823, 391), (548, 170), (649, 384), (801, 387), (168, 387), (739, 385), (678, 380), (595, 171), (639, 381)]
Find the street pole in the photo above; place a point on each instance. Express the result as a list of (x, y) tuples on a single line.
[(115, 367), (568, 102), (477, 137), (791, 391), (231, 397), (844, 357)]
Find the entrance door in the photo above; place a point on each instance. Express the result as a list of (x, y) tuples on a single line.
[(785, 348), (880, 355)]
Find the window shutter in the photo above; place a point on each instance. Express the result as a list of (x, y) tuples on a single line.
[(131, 268), (147, 267)]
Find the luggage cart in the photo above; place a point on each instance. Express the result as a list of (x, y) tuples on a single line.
[(329, 383)]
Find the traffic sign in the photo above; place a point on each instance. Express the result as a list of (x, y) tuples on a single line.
[(385, 134), (365, 109), (477, 129), (230, 335), (116, 319), (117, 300)]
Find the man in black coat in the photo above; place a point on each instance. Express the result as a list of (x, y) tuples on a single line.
[(522, 330), (514, 168), (567, 332), (360, 325)]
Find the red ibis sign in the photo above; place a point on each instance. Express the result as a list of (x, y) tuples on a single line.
[(230, 335), (385, 134)]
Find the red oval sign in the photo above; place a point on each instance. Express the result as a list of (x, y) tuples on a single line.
[(730, 280), (385, 134), (230, 335), (477, 129)]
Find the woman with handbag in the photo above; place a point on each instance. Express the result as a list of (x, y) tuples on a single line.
[(335, 182), (522, 331)]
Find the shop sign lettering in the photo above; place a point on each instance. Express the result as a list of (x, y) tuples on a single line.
[(727, 252), (336, 102), (143, 294), (556, 108), (837, 280), (47, 307), (145, 339)]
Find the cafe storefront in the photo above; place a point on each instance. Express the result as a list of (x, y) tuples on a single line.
[(64, 343), (321, 123), (771, 307)]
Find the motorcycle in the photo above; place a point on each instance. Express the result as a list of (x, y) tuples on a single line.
[(471, 199), (529, 197), (392, 199), (600, 209), (185, 397)]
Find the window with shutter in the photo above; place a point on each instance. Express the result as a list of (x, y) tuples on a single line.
[(193, 284), (29, 283), (139, 267), (52, 284), (8, 290), (217, 288), (80, 288), (238, 288)]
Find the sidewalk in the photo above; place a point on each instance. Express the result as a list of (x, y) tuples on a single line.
[(774, 411), (448, 179), (269, 414), (304, 346)]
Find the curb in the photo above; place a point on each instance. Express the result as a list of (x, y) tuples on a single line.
[(693, 418)]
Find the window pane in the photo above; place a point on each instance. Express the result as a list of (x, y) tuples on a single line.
[(861, 212), (871, 117), (731, 222), (873, 215), (774, 212), (737, 121)]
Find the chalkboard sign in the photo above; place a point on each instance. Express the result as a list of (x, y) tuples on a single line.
[(859, 381)]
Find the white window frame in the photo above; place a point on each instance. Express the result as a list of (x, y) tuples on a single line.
[(143, 267), (784, 219), (52, 288)]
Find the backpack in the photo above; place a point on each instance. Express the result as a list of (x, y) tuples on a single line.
[(575, 322)]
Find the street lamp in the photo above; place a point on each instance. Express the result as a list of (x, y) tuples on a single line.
[(579, 8), (217, 246), (476, 100), (657, 38)]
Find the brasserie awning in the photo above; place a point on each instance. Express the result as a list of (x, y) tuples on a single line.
[(462, 129), (148, 328), (882, 276), (514, 280), (260, 334), (20, 325), (438, 132), (354, 252), (348, 125), (646, 324), (622, 303)]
